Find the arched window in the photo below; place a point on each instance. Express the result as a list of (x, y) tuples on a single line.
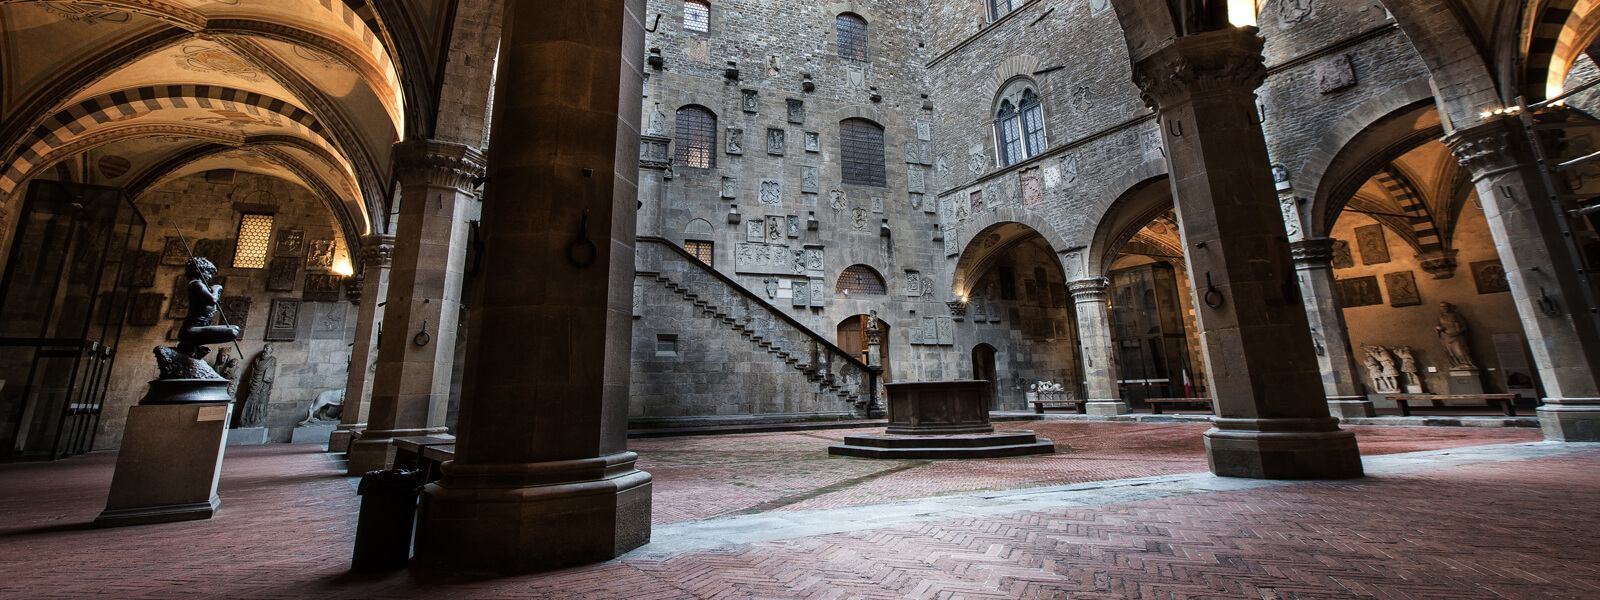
[(852, 36), (696, 16), (1001, 8), (1019, 122), (861, 152), (860, 280), (697, 138)]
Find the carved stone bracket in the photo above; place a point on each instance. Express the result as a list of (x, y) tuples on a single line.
[(1488, 148), (1441, 264), (653, 152), (1089, 290), (377, 250), (437, 163), (1312, 253), (1215, 61)]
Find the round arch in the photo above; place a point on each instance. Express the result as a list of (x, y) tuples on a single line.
[(1368, 137), (992, 241), (1137, 206)]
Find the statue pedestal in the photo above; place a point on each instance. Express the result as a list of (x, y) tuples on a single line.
[(941, 419), (247, 436), (169, 464), (1464, 382)]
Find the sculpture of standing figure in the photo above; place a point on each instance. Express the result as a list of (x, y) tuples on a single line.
[(263, 372), (229, 367), (1380, 367), (1408, 367), (1452, 330)]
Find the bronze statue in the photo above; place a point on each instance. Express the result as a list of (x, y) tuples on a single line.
[(184, 362)]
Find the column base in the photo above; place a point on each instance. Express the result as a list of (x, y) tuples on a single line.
[(1346, 407), (1570, 419), (345, 433), (524, 518), (1309, 448), (1106, 408), (372, 451)]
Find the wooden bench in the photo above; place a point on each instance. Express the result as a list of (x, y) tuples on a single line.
[(1507, 402), (1155, 403), (1043, 399), (408, 451)]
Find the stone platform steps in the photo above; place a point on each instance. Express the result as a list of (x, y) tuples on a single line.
[(989, 445)]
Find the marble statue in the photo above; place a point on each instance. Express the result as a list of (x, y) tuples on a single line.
[(1381, 369), (1452, 330), (262, 374), (229, 367), (1408, 368), (196, 330), (325, 409)]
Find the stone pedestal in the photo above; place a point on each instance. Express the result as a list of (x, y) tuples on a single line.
[(1465, 382), (247, 436), (1272, 414), (1094, 336), (941, 419), (542, 476), (168, 466), (311, 434)]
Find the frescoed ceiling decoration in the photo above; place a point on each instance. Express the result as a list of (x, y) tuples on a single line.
[(134, 93)]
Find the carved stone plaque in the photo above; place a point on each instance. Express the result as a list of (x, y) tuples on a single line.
[(772, 192), (914, 335), (877, 204), (775, 141), (217, 251), (1402, 289), (808, 180), (794, 225), (777, 229), (1341, 255), (173, 253), (914, 179), (291, 242), (750, 100), (1335, 73), (322, 287), (141, 272), (328, 324), (146, 309), (924, 131), (976, 200), (1032, 191), (1489, 276), (813, 141), (729, 187), (755, 231), (801, 293), (284, 321), (1359, 291), (763, 259), (320, 257), (858, 219), (813, 256), (913, 284), (237, 310), (1374, 248), (817, 291), (912, 150), (797, 111), (282, 273), (735, 140)]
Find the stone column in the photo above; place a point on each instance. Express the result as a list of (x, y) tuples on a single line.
[(1544, 279), (1313, 258), (1094, 336), (377, 252), (411, 386), (1272, 420), (653, 168), (542, 476)]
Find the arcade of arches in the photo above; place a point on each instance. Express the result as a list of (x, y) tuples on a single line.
[(662, 216)]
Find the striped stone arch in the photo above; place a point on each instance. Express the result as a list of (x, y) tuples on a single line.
[(69, 123), (1413, 205), (1560, 31)]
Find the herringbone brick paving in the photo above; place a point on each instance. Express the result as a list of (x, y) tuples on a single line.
[(1515, 529)]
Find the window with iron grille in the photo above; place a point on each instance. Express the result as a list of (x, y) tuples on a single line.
[(700, 250), (852, 37), (860, 279), (697, 138), (861, 152), (255, 231), (696, 16), (1032, 122), (1000, 8)]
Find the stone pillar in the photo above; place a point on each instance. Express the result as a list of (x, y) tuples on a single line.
[(653, 167), (1272, 420), (411, 386), (542, 476), (1545, 282), (1094, 336), (377, 252), (1313, 258)]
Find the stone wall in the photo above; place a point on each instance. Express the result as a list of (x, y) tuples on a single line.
[(317, 357)]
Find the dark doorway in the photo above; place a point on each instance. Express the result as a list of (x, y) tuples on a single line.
[(983, 368)]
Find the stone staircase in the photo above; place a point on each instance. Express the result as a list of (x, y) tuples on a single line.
[(831, 371)]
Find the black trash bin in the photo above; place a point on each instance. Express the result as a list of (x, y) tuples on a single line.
[(388, 511)]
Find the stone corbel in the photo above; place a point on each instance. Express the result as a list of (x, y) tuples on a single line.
[(437, 163)]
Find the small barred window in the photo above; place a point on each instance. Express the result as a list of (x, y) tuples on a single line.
[(861, 152), (700, 250), (861, 279), (852, 37), (255, 231), (697, 138), (696, 16), (1001, 8)]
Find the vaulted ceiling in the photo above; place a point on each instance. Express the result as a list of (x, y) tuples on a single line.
[(136, 92)]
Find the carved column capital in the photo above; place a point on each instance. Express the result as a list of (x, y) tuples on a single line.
[(653, 152), (1441, 264), (1488, 148), (1089, 290), (377, 250), (1313, 253), (1215, 61), (437, 163)]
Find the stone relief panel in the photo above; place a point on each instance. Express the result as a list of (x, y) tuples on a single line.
[(772, 192), (735, 140), (322, 287), (775, 141), (282, 273), (914, 179), (777, 229), (1374, 247), (320, 255), (1291, 12), (750, 100), (924, 131), (793, 225), (730, 187), (1402, 289), (291, 242), (1489, 277), (913, 284), (764, 259), (808, 180), (236, 309), (813, 141), (1359, 291), (797, 111), (755, 231), (818, 297), (174, 254), (877, 204), (836, 199), (858, 219), (800, 293), (1341, 255), (1335, 73), (1032, 191), (284, 320), (328, 324)]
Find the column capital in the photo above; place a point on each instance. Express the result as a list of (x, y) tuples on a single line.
[(1215, 61), (1089, 290), (377, 250), (1488, 148), (1441, 264), (438, 163), (653, 152), (1311, 253)]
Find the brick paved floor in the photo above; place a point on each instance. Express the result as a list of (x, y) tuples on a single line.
[(1514, 529)]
